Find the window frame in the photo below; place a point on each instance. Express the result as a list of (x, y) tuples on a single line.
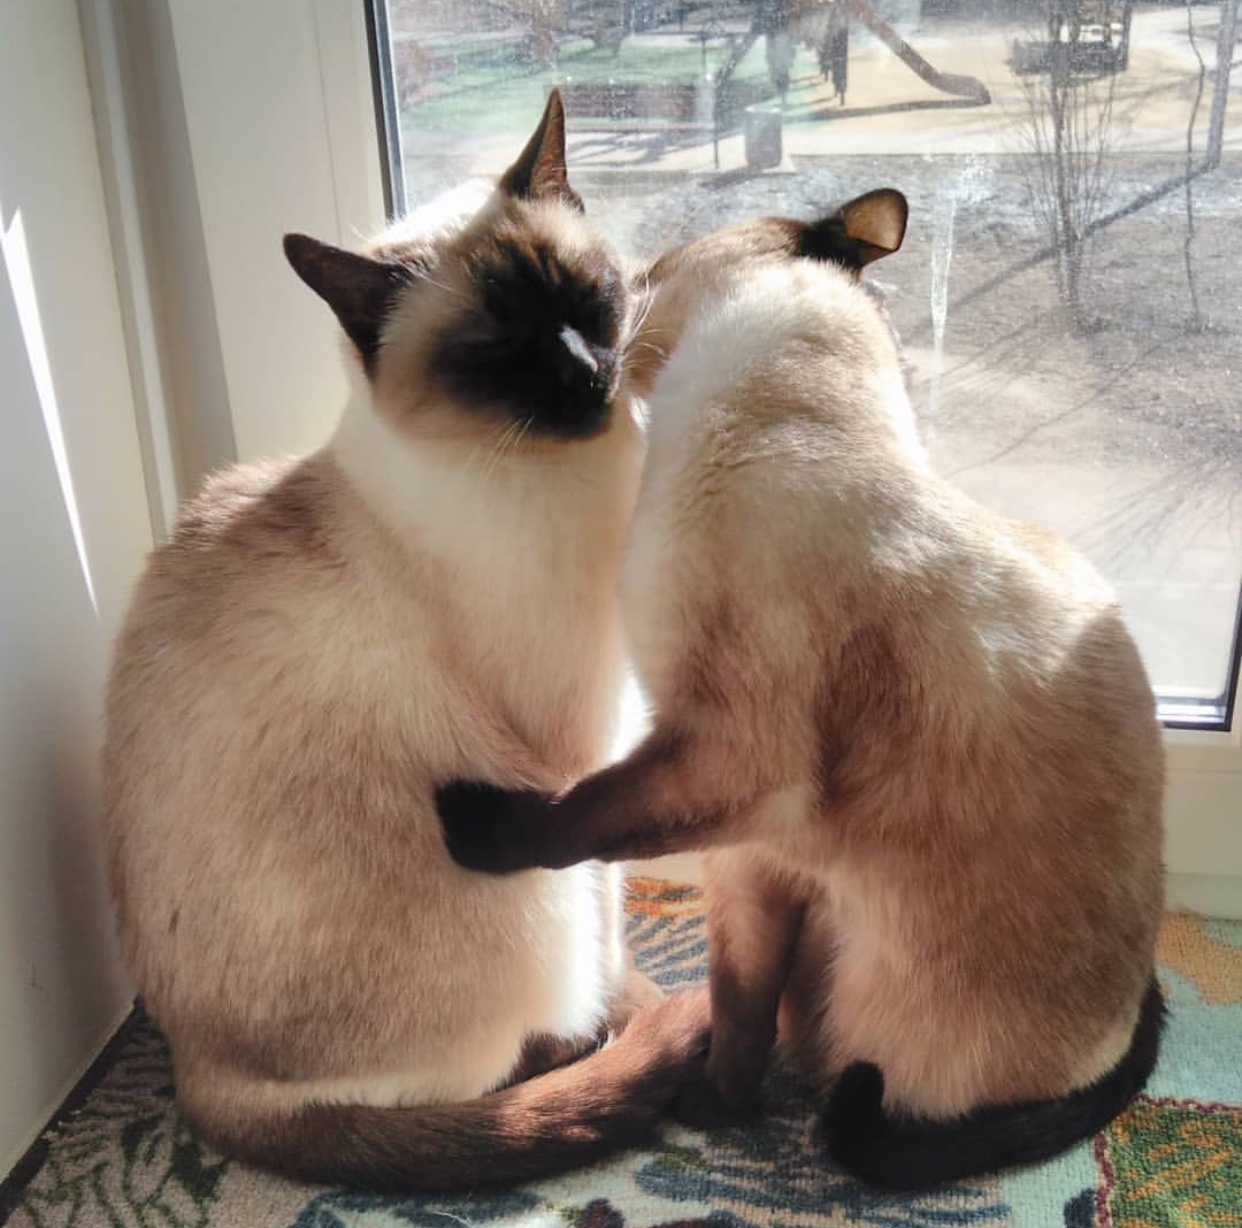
[(317, 165)]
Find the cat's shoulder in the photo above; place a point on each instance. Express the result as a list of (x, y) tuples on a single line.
[(259, 546), (272, 507), (265, 532), (1059, 566)]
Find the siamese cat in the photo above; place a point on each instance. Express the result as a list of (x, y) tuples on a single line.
[(915, 738), (321, 643)]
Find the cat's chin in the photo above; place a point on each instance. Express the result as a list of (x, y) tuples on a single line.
[(566, 422), (585, 427)]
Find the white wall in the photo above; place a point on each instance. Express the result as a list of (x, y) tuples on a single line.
[(222, 125), (63, 374), (288, 144)]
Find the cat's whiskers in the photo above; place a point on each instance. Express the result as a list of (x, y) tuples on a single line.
[(646, 300), (639, 335), (515, 441), (455, 291), (498, 451), (487, 444), (510, 442), (652, 347)]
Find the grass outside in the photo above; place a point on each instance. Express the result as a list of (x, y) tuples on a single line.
[(486, 85)]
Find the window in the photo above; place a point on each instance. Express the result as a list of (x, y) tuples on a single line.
[(1067, 291), (259, 119)]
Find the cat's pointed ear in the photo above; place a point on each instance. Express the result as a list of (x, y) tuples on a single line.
[(361, 291), (868, 227), (540, 172)]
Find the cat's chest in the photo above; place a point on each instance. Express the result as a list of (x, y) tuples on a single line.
[(481, 685), (554, 675), (502, 613)]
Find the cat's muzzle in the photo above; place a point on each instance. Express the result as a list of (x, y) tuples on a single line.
[(585, 376)]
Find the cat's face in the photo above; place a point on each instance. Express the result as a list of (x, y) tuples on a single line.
[(518, 318), (685, 278), (504, 312)]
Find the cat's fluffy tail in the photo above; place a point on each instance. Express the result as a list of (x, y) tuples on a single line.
[(534, 1129), (904, 1154)]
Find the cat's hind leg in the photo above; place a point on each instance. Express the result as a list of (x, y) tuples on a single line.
[(542, 1052), (638, 992), (754, 917)]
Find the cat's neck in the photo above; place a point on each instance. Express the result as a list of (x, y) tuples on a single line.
[(528, 550), (475, 505), (507, 524), (794, 344)]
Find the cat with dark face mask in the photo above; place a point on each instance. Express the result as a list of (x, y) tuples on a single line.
[(320, 644)]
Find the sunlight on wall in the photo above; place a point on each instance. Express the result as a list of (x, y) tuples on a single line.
[(17, 263)]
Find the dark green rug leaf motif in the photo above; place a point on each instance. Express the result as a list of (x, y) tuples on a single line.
[(341, 1209), (126, 1158), (1171, 1164), (602, 1214)]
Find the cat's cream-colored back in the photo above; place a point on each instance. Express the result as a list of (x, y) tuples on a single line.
[(956, 735)]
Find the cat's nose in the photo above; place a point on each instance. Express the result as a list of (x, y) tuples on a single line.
[(581, 366), (577, 348)]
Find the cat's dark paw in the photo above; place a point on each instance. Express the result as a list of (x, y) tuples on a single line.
[(487, 827), (700, 1105)]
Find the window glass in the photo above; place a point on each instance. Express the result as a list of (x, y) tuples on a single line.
[(1068, 293)]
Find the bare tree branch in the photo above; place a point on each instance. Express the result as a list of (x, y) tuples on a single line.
[(1068, 134)]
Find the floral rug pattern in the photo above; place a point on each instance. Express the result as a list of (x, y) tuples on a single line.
[(1174, 1160)]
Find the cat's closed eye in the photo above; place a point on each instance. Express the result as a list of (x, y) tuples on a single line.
[(540, 343), (596, 315), (533, 290)]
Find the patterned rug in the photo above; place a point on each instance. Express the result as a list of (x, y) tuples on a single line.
[(1173, 1161)]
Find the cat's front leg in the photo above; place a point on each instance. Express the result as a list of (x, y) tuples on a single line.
[(487, 827), (670, 795)]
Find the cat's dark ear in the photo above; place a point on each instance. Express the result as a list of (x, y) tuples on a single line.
[(540, 172), (870, 226), (361, 291)]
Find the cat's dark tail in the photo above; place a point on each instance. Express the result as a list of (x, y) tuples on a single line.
[(556, 1121), (905, 1154)]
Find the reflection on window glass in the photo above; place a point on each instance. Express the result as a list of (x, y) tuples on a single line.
[(1068, 293)]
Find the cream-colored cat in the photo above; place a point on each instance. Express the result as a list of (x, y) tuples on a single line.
[(915, 737), (319, 645)]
